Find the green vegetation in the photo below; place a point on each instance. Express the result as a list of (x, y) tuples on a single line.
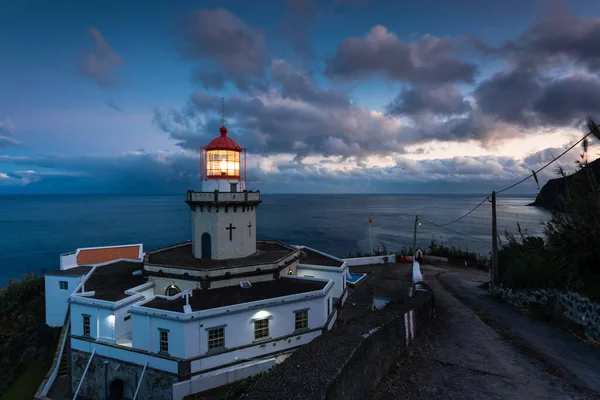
[(568, 257), (27, 344)]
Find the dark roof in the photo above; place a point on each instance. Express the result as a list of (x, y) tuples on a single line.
[(181, 256), (112, 280), (213, 298), (314, 258), (76, 271)]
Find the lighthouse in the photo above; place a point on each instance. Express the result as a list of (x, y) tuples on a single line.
[(224, 213)]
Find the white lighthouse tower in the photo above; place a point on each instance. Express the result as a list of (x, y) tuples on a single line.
[(224, 213)]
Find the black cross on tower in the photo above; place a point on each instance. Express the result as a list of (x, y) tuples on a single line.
[(249, 229), (230, 229)]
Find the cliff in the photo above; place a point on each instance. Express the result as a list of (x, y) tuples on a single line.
[(552, 193)]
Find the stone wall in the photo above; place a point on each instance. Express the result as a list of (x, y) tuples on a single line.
[(573, 306), (349, 361), (102, 371)]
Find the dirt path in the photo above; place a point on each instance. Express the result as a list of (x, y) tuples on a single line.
[(480, 349)]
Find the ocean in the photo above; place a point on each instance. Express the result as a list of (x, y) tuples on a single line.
[(35, 229)]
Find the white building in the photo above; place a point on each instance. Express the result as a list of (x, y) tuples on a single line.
[(189, 317)]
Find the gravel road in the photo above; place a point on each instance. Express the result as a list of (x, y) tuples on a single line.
[(481, 349)]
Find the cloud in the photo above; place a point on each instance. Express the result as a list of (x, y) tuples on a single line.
[(6, 126), (100, 63), (298, 85), (229, 43), (430, 59), (555, 39), (439, 100), (6, 141), (114, 106)]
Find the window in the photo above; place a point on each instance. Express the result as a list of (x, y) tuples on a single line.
[(86, 325), (328, 305), (63, 285), (164, 341), (172, 290), (127, 318), (261, 329), (301, 319), (216, 338)]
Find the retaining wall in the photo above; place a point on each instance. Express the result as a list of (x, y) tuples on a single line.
[(575, 307)]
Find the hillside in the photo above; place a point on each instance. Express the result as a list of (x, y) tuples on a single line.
[(552, 193)]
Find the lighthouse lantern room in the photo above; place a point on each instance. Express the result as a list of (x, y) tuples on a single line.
[(221, 162)]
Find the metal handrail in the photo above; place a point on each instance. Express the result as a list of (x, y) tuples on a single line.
[(84, 372), (140, 381)]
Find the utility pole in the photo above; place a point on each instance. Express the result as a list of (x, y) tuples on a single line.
[(415, 238), (494, 267)]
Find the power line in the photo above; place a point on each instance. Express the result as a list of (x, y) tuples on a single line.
[(521, 181), (541, 169), (476, 207), (453, 231)]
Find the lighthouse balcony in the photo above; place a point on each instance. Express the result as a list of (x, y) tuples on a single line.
[(228, 197)]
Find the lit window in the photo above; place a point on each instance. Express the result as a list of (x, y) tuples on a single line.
[(261, 329), (216, 338), (63, 285), (164, 341), (86, 325), (301, 319)]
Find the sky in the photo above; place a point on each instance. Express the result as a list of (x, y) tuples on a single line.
[(336, 96)]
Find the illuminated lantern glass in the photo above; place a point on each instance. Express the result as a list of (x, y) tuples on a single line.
[(222, 164)]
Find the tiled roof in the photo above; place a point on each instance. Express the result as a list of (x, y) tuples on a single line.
[(104, 254)]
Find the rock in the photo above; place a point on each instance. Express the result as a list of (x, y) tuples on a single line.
[(29, 354)]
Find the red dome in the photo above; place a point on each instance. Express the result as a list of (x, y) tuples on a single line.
[(223, 142)]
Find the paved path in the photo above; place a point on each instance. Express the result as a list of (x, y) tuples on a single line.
[(480, 349)]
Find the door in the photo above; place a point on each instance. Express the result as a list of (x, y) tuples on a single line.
[(233, 187), (115, 390), (206, 245)]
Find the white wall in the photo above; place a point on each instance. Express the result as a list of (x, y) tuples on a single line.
[(68, 260), (105, 324), (322, 272), (213, 222), (57, 300), (125, 355), (352, 262), (190, 338)]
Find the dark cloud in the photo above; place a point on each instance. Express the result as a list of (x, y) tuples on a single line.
[(114, 106), (298, 85), (439, 100), (526, 99), (569, 99), (220, 37), (509, 96), (557, 39), (100, 62), (427, 60)]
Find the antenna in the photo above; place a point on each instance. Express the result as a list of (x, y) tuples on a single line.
[(223, 111)]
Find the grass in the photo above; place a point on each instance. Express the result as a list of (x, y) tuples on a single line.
[(28, 382)]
